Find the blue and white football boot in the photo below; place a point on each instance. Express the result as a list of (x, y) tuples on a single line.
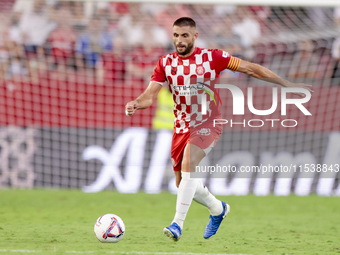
[(174, 231), (215, 222)]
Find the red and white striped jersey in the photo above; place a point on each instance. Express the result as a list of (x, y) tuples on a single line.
[(188, 78)]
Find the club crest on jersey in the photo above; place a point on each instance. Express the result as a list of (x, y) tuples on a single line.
[(200, 70), (204, 131)]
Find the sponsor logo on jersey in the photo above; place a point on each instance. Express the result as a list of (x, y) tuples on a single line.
[(206, 91), (204, 131), (192, 90)]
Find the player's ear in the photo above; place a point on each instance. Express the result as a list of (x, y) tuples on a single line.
[(196, 35)]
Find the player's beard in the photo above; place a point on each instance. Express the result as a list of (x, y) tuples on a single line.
[(187, 49)]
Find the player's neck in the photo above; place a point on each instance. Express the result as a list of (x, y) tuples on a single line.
[(189, 54)]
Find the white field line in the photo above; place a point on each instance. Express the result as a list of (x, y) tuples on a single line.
[(122, 252)]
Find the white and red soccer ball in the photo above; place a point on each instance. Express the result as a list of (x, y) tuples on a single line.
[(109, 228)]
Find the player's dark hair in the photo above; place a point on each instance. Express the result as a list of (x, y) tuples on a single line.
[(185, 21)]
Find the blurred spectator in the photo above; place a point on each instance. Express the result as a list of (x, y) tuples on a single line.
[(142, 62), (103, 13), (93, 8), (15, 34), (17, 64), (262, 14), (4, 52), (17, 68), (166, 17), (79, 20), (224, 9), (36, 26), (153, 8), (249, 28), (114, 63), (62, 41), (12, 57), (6, 5), (153, 32), (134, 26), (205, 18), (113, 23), (130, 25), (92, 43), (222, 36), (305, 62), (23, 6), (119, 7), (116, 12)]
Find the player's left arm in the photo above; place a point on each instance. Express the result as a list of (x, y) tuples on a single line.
[(263, 73)]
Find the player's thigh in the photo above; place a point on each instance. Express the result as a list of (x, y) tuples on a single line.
[(192, 157)]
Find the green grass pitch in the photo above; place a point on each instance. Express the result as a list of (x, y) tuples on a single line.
[(62, 221)]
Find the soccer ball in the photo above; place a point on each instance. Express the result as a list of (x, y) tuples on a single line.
[(109, 228)]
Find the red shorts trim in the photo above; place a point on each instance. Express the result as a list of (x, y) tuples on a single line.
[(204, 136)]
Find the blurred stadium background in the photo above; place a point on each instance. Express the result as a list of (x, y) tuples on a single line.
[(67, 69)]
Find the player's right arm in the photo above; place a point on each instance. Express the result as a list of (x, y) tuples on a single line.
[(149, 95), (145, 99)]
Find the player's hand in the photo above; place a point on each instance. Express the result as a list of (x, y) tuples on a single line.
[(130, 108), (301, 85)]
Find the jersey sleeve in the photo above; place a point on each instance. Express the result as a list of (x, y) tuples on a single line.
[(223, 60), (159, 72)]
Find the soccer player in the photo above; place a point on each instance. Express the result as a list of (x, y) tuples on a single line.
[(177, 69)]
